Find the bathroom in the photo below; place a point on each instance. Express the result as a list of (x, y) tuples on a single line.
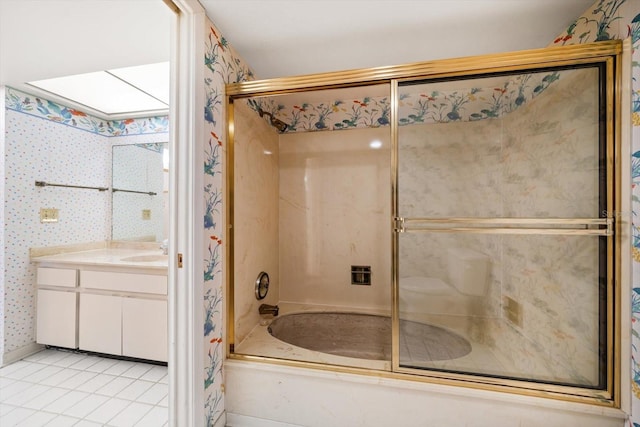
[(232, 368)]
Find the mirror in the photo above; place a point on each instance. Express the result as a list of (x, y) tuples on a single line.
[(139, 189)]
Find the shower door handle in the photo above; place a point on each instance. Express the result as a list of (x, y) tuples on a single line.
[(558, 226)]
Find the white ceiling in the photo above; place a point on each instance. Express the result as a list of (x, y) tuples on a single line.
[(41, 39), (292, 37)]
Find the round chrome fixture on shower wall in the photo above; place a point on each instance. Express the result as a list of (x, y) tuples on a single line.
[(262, 285)]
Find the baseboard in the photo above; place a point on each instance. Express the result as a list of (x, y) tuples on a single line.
[(20, 353), (235, 420)]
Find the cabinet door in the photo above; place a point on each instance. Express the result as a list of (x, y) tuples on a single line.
[(144, 328), (100, 323), (56, 318)]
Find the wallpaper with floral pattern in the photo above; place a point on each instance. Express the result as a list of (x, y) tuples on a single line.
[(471, 104), (222, 66), (45, 109), (608, 20)]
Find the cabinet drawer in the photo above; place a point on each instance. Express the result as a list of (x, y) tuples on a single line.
[(57, 277), (124, 282)]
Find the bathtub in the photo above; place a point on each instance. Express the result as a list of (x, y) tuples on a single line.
[(367, 336)]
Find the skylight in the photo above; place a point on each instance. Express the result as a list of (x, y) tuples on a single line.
[(117, 92), (152, 79)]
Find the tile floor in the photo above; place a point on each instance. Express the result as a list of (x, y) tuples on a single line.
[(62, 388)]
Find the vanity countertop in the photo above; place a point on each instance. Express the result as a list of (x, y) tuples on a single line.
[(108, 257)]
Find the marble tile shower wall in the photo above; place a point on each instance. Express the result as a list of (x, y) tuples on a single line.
[(521, 165), (334, 213), (256, 212), (50, 142), (431, 158), (550, 170)]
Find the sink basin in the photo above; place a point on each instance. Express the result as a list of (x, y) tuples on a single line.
[(146, 258)]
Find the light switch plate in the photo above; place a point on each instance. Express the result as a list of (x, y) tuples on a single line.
[(146, 213), (48, 215)]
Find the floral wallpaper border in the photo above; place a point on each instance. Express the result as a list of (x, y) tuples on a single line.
[(472, 104), (39, 107)]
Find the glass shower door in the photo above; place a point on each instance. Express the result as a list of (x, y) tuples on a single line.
[(504, 227)]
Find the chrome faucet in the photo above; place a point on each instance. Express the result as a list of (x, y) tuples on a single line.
[(165, 246), (268, 309)]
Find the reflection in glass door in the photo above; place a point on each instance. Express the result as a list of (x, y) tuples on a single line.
[(503, 243)]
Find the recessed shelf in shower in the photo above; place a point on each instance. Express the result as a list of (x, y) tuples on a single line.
[(361, 275)]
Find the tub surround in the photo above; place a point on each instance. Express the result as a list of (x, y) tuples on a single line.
[(299, 396), (334, 214), (256, 213)]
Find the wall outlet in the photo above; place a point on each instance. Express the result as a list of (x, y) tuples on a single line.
[(48, 215), (146, 214), (512, 311)]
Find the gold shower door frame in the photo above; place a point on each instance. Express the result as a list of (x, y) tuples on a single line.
[(606, 53)]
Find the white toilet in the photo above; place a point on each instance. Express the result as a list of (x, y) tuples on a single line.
[(461, 294)]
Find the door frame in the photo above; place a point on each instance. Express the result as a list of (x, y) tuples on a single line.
[(186, 361)]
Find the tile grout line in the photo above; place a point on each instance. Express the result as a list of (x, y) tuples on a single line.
[(51, 359)]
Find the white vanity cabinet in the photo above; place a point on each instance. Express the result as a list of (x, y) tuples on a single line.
[(98, 302), (56, 307), (124, 314)]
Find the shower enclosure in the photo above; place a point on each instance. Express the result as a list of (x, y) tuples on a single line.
[(478, 195)]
